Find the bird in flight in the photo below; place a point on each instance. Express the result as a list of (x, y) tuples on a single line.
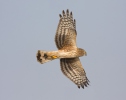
[(67, 52)]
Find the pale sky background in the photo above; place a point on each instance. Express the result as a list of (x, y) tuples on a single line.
[(30, 25)]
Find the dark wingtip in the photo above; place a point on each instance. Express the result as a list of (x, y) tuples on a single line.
[(63, 12), (74, 20), (79, 87), (71, 13), (60, 15), (82, 86), (85, 84), (88, 80), (67, 11)]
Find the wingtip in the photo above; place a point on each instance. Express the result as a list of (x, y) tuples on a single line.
[(82, 86), (74, 20), (60, 15), (71, 13), (67, 10), (79, 87), (85, 84), (63, 12)]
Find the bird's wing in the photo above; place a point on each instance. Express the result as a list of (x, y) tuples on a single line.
[(72, 68), (66, 31)]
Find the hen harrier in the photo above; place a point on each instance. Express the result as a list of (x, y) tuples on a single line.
[(67, 52)]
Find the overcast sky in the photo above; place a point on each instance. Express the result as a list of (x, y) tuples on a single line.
[(30, 25)]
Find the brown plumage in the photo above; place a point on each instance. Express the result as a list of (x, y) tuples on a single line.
[(67, 52)]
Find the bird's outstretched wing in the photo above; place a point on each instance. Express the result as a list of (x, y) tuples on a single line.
[(72, 68), (66, 30)]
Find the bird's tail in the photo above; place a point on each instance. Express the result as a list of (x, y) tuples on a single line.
[(42, 56)]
